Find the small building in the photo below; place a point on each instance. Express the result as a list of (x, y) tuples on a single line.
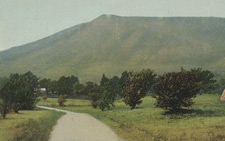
[(40, 90)]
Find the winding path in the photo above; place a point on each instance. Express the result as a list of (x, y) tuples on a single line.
[(80, 127)]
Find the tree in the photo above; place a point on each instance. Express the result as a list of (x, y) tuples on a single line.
[(53, 89), (27, 91), (106, 100), (62, 100), (104, 80), (206, 77), (5, 101), (21, 87), (8, 95), (79, 89), (137, 87), (108, 94), (94, 92), (125, 77), (17, 92), (114, 87), (31, 78), (65, 85), (176, 90)]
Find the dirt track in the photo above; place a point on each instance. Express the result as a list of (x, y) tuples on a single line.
[(80, 127)]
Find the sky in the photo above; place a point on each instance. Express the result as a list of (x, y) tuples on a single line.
[(24, 21)]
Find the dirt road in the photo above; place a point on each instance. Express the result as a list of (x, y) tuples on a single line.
[(80, 127)]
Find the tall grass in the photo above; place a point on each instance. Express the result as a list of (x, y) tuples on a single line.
[(33, 125)]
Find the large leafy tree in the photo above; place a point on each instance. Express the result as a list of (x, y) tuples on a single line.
[(206, 77), (79, 89), (29, 97), (18, 92), (137, 87), (65, 85), (176, 90), (109, 92)]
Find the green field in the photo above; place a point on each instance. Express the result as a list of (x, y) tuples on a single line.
[(28, 125), (204, 121)]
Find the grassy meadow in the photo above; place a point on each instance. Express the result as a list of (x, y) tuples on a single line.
[(204, 121), (28, 125)]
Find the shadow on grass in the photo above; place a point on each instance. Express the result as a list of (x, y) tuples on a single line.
[(71, 105), (195, 113), (11, 118)]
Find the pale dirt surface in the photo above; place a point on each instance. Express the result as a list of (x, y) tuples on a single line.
[(80, 127)]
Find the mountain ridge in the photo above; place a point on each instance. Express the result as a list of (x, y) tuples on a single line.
[(111, 44)]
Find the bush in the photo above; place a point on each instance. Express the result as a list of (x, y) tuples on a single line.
[(175, 90), (62, 100), (137, 87), (44, 98)]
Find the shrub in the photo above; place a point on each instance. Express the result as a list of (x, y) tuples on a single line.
[(34, 129), (44, 98), (175, 90), (137, 87), (62, 100)]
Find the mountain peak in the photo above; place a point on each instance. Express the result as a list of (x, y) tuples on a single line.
[(107, 16)]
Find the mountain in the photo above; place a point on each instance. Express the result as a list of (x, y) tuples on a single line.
[(111, 44)]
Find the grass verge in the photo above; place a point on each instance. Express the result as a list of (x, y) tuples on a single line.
[(28, 125), (204, 121)]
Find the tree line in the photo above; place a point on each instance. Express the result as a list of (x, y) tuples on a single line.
[(172, 90)]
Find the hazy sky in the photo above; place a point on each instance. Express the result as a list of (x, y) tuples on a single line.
[(24, 21)]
